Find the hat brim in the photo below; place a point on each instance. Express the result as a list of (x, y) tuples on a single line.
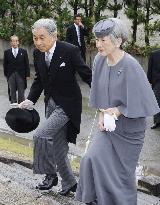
[(22, 120)]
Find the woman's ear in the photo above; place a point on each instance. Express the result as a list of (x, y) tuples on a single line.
[(119, 42)]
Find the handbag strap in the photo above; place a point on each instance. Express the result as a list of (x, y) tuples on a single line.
[(90, 134), (93, 123)]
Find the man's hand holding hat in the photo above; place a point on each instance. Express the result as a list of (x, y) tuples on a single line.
[(26, 104)]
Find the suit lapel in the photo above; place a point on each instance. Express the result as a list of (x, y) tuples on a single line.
[(19, 51), (56, 59), (10, 52), (42, 64), (75, 32)]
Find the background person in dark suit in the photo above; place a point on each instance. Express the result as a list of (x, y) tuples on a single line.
[(16, 70), (75, 35), (56, 64), (153, 75)]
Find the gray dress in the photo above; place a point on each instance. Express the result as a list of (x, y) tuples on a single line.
[(107, 171)]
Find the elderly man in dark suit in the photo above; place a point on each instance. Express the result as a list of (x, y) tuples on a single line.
[(153, 75), (16, 70), (75, 35), (56, 64)]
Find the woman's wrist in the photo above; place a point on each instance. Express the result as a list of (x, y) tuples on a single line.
[(101, 110)]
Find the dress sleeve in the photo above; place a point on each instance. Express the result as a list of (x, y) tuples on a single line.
[(139, 99)]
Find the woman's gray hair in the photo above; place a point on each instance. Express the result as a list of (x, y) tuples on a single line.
[(112, 27), (48, 24), (119, 31)]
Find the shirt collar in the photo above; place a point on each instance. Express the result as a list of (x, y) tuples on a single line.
[(51, 50), (76, 25), (14, 49)]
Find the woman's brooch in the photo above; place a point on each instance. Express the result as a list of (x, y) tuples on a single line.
[(119, 72)]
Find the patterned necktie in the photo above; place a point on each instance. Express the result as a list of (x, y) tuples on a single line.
[(47, 59)]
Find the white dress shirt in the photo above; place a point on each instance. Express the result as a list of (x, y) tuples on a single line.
[(15, 51), (78, 33), (49, 54)]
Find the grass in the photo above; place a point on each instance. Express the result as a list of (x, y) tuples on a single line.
[(75, 163), (9, 144), (21, 148)]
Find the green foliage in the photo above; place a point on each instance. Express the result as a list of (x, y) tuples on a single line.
[(115, 7), (17, 16), (140, 50), (63, 22), (156, 6), (132, 14)]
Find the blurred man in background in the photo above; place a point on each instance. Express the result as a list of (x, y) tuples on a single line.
[(16, 70), (75, 35)]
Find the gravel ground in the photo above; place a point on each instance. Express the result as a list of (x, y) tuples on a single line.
[(17, 187)]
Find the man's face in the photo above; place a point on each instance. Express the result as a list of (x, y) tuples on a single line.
[(43, 40), (14, 42), (77, 20)]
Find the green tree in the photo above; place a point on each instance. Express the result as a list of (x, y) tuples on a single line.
[(75, 5), (132, 10), (115, 7)]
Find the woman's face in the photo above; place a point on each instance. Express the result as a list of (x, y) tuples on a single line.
[(105, 46)]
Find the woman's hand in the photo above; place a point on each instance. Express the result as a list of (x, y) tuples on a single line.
[(101, 121), (112, 111)]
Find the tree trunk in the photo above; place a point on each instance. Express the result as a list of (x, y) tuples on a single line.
[(135, 23), (148, 3), (13, 15), (86, 8), (91, 8), (75, 7), (115, 10)]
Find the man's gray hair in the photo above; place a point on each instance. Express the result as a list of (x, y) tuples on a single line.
[(14, 36), (119, 31), (48, 24)]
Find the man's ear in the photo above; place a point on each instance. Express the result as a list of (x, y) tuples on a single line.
[(54, 36)]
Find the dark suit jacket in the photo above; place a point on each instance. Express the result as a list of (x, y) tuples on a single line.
[(60, 82), (71, 36), (153, 73), (20, 64)]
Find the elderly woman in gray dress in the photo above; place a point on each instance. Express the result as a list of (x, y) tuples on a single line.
[(119, 88)]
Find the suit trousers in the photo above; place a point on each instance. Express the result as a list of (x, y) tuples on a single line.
[(51, 146), (16, 83), (156, 90), (83, 53)]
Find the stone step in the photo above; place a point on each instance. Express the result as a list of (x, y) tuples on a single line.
[(152, 183)]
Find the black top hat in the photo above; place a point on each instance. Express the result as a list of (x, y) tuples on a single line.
[(22, 120)]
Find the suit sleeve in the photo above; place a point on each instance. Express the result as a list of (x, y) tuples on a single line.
[(149, 72), (37, 87), (5, 62), (78, 63), (85, 31), (27, 64), (68, 35)]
